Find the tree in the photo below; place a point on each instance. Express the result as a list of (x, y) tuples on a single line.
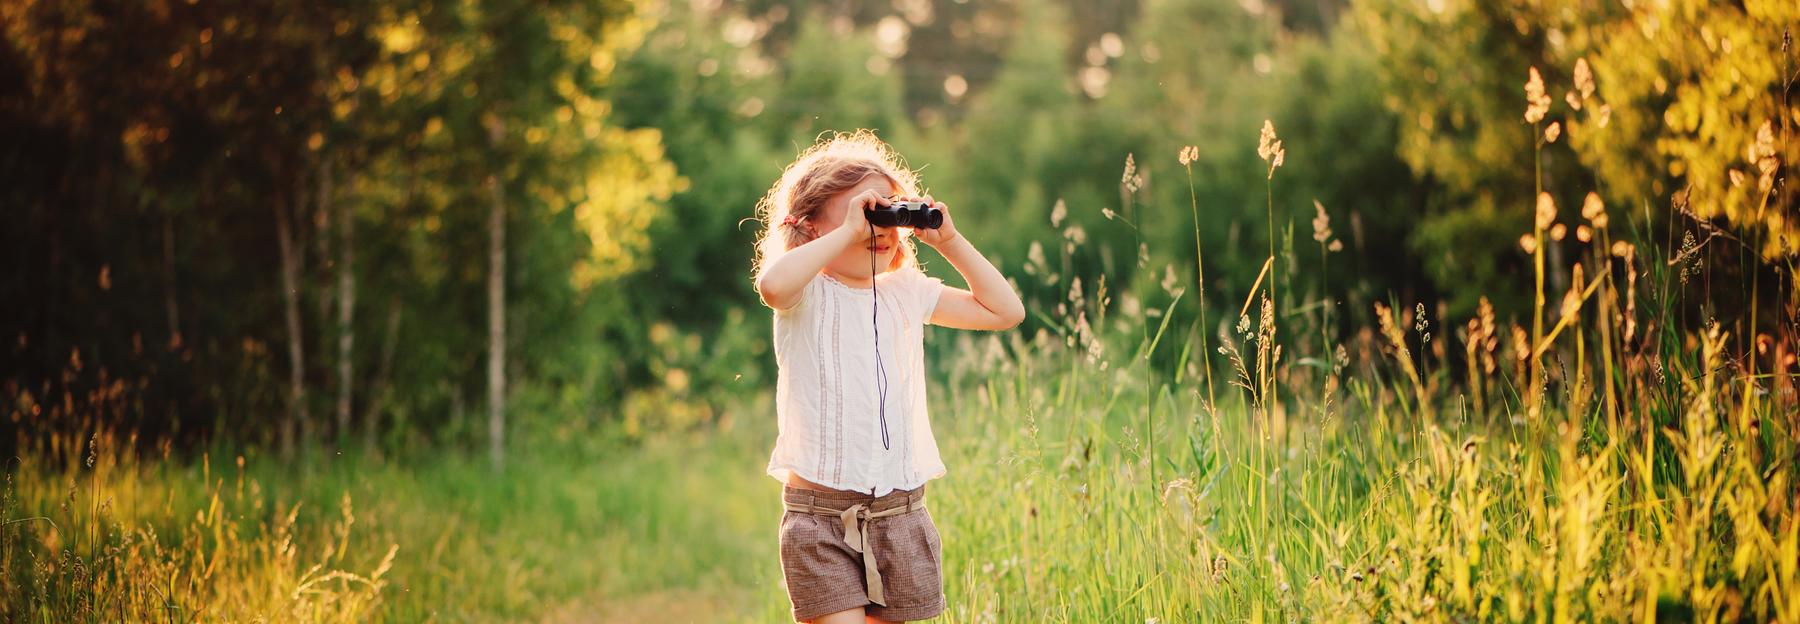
[(165, 143)]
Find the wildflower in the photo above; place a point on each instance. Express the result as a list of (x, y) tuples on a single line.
[(1546, 211), (1573, 100), (1131, 179), (1551, 133), (1188, 155), (1536, 102), (1269, 147), (1594, 211), (1321, 223), (1584, 78), (1528, 242), (1558, 232), (1604, 116), (1737, 178), (1108, 213), (1058, 212), (1583, 234), (1218, 568), (1171, 283), (1621, 249)]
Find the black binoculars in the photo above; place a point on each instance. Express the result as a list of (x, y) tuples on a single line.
[(909, 214)]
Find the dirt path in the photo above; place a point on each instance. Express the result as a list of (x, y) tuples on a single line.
[(675, 605)]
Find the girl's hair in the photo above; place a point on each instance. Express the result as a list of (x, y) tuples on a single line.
[(835, 163)]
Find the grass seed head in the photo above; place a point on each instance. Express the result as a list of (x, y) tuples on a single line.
[(1594, 210), (1269, 147), (1536, 102), (1321, 223), (1762, 154), (1131, 179), (1584, 78)]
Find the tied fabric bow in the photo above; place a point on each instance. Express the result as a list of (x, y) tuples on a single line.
[(790, 221), (856, 534)]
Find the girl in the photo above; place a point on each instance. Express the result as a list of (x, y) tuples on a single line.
[(855, 446)]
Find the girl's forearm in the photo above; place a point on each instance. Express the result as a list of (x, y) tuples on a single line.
[(782, 281), (985, 282)]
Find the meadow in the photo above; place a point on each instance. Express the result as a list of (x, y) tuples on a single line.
[(1606, 459)]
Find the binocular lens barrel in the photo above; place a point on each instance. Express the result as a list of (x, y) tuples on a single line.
[(916, 215)]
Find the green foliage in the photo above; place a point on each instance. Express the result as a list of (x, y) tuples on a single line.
[(1714, 104), (1669, 111), (180, 136)]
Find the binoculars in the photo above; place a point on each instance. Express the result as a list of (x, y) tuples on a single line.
[(909, 214)]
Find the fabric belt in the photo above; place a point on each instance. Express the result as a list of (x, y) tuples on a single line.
[(856, 532)]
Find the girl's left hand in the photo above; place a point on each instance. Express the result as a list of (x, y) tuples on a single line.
[(943, 234)]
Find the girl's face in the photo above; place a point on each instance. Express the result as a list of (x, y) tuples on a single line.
[(854, 263)]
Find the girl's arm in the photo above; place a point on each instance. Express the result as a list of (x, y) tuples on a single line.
[(782, 280), (990, 302)]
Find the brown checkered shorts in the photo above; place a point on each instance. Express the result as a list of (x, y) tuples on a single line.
[(823, 561)]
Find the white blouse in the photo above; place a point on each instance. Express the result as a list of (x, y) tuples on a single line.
[(827, 394)]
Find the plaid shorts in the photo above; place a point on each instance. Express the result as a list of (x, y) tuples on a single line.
[(823, 559)]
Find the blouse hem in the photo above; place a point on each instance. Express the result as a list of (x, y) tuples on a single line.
[(774, 473)]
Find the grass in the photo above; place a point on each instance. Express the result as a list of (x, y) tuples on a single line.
[(130, 538), (1615, 465), (1364, 509)]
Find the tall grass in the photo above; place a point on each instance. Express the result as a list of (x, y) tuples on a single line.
[(98, 530)]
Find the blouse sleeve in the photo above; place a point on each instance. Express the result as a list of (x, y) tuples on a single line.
[(924, 291), (807, 294)]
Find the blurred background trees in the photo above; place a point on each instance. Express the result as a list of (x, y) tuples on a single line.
[(280, 222)]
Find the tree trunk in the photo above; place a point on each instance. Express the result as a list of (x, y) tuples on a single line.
[(171, 307), (290, 289), (378, 390), (346, 297), (497, 325)]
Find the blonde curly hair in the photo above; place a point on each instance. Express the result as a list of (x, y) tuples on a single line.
[(835, 163)]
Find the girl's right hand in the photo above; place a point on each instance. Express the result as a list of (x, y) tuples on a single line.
[(854, 218)]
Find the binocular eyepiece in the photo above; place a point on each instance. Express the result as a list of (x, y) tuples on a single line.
[(910, 214)]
